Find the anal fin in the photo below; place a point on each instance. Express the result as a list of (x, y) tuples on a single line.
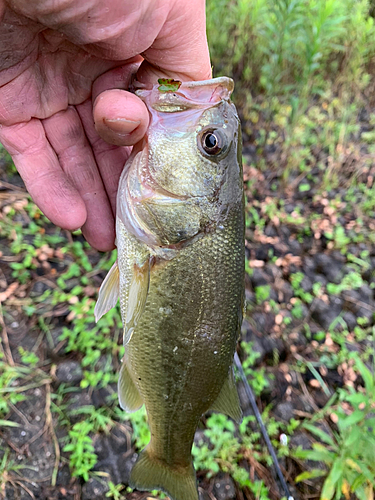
[(128, 394), (228, 401)]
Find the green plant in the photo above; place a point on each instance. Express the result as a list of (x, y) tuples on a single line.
[(296, 280), (349, 452), (262, 293), (94, 341), (9, 392), (115, 491), (9, 473), (222, 450), (350, 281), (141, 431), (82, 457), (97, 418), (297, 309), (255, 377), (224, 446), (27, 357), (291, 46)]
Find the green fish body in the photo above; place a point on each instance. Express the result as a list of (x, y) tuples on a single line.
[(180, 275)]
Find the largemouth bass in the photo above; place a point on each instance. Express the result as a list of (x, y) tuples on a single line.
[(179, 275)]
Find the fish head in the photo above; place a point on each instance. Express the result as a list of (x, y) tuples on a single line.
[(186, 170)]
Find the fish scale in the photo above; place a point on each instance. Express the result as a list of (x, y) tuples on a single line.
[(188, 327), (180, 275)]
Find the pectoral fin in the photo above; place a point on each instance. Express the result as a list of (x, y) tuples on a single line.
[(138, 291), (108, 293), (228, 401), (128, 394)]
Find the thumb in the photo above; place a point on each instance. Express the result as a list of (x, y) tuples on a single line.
[(180, 51)]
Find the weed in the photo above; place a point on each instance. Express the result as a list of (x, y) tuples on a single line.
[(351, 281), (27, 357), (97, 418), (291, 46), (9, 375), (297, 310), (141, 431), (262, 293), (94, 341), (349, 453), (256, 377), (221, 449), (82, 457), (9, 472), (115, 491), (296, 280)]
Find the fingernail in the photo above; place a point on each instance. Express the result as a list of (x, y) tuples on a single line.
[(121, 125)]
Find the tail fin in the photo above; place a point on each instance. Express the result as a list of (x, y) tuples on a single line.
[(151, 474)]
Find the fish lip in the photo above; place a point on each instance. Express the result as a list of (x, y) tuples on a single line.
[(219, 80), (194, 94), (224, 81)]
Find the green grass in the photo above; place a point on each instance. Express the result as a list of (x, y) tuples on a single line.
[(349, 451), (294, 47)]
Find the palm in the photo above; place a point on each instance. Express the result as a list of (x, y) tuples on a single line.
[(49, 80)]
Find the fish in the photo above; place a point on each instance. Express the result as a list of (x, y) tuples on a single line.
[(179, 274)]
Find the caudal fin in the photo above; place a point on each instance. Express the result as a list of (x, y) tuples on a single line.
[(151, 474)]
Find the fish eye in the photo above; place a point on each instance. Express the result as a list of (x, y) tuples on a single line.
[(213, 142)]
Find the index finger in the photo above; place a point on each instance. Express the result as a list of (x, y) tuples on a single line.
[(40, 169)]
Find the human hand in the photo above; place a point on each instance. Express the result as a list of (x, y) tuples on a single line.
[(64, 62)]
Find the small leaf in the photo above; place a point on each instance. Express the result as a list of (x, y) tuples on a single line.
[(354, 436), (304, 187), (316, 455), (310, 474), (352, 419), (367, 376), (168, 85), (323, 436), (8, 423), (333, 478)]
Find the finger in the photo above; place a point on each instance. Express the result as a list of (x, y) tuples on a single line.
[(117, 78), (180, 50), (39, 167), (110, 159), (121, 118), (65, 133)]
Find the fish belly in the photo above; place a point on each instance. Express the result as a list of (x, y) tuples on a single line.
[(182, 349)]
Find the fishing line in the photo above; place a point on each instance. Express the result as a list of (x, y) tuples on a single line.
[(250, 395)]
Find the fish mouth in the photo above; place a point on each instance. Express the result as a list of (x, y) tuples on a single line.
[(190, 95)]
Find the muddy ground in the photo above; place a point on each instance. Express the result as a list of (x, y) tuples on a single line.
[(292, 244)]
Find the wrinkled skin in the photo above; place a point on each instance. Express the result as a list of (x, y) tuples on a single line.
[(62, 60)]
